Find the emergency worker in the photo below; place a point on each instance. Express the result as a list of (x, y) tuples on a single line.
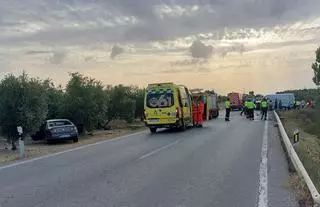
[(228, 109), (244, 108), (251, 106), (264, 108)]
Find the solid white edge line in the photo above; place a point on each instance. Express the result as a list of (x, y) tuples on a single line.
[(263, 171), (66, 151), (158, 150)]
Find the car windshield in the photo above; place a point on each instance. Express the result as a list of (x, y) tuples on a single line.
[(159, 99), (58, 123)]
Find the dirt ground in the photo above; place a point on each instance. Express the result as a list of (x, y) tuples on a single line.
[(39, 148)]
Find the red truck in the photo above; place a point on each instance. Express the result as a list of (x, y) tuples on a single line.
[(236, 100), (210, 100)]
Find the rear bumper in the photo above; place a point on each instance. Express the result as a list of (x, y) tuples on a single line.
[(70, 136), (176, 123)]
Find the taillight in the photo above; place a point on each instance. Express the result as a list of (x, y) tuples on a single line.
[(177, 113)]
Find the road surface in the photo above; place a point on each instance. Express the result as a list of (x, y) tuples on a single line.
[(239, 163)]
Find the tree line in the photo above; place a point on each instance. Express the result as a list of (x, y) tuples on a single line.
[(27, 101), (303, 94)]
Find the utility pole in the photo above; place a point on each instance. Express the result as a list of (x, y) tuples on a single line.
[(21, 142)]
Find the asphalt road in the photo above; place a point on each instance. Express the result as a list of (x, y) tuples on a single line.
[(218, 165)]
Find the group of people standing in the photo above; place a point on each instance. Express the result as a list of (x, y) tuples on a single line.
[(248, 109)]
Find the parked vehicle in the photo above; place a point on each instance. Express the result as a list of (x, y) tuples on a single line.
[(210, 100), (287, 100), (57, 129), (167, 105), (212, 105), (236, 100)]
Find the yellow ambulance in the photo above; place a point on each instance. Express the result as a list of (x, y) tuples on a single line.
[(167, 105)]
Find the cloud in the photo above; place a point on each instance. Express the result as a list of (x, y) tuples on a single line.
[(200, 50), (188, 62), (88, 59), (57, 57), (37, 52), (174, 70), (140, 20), (85, 30), (116, 50)]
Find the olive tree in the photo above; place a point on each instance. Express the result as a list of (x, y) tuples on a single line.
[(85, 102), (316, 78), (22, 103), (121, 104), (55, 99), (138, 96), (316, 68)]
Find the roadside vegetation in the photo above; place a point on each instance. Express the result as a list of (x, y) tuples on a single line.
[(308, 122), (309, 145), (27, 101)]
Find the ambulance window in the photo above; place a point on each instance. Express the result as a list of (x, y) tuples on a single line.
[(184, 97), (160, 99)]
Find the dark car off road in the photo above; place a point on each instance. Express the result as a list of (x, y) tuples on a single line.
[(57, 130)]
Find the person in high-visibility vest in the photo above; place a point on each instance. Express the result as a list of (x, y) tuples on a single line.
[(227, 105), (244, 108), (264, 108), (247, 110), (251, 106)]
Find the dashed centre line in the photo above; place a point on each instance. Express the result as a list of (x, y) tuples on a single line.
[(159, 150)]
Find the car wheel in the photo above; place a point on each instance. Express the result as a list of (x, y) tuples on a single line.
[(153, 130), (49, 142), (76, 139)]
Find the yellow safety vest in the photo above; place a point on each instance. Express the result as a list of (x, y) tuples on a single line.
[(264, 104), (246, 104), (228, 104), (251, 105)]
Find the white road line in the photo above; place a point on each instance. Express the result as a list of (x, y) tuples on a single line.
[(158, 150), (263, 172), (66, 151)]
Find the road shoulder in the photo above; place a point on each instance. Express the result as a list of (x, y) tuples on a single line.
[(38, 149)]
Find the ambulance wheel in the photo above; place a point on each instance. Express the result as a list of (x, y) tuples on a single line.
[(153, 130), (182, 126)]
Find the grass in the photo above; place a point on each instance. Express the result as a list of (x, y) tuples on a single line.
[(301, 189), (308, 122)]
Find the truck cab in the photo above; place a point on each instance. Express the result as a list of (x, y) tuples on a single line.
[(236, 100)]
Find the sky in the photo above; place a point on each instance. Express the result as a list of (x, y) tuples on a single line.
[(260, 45)]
